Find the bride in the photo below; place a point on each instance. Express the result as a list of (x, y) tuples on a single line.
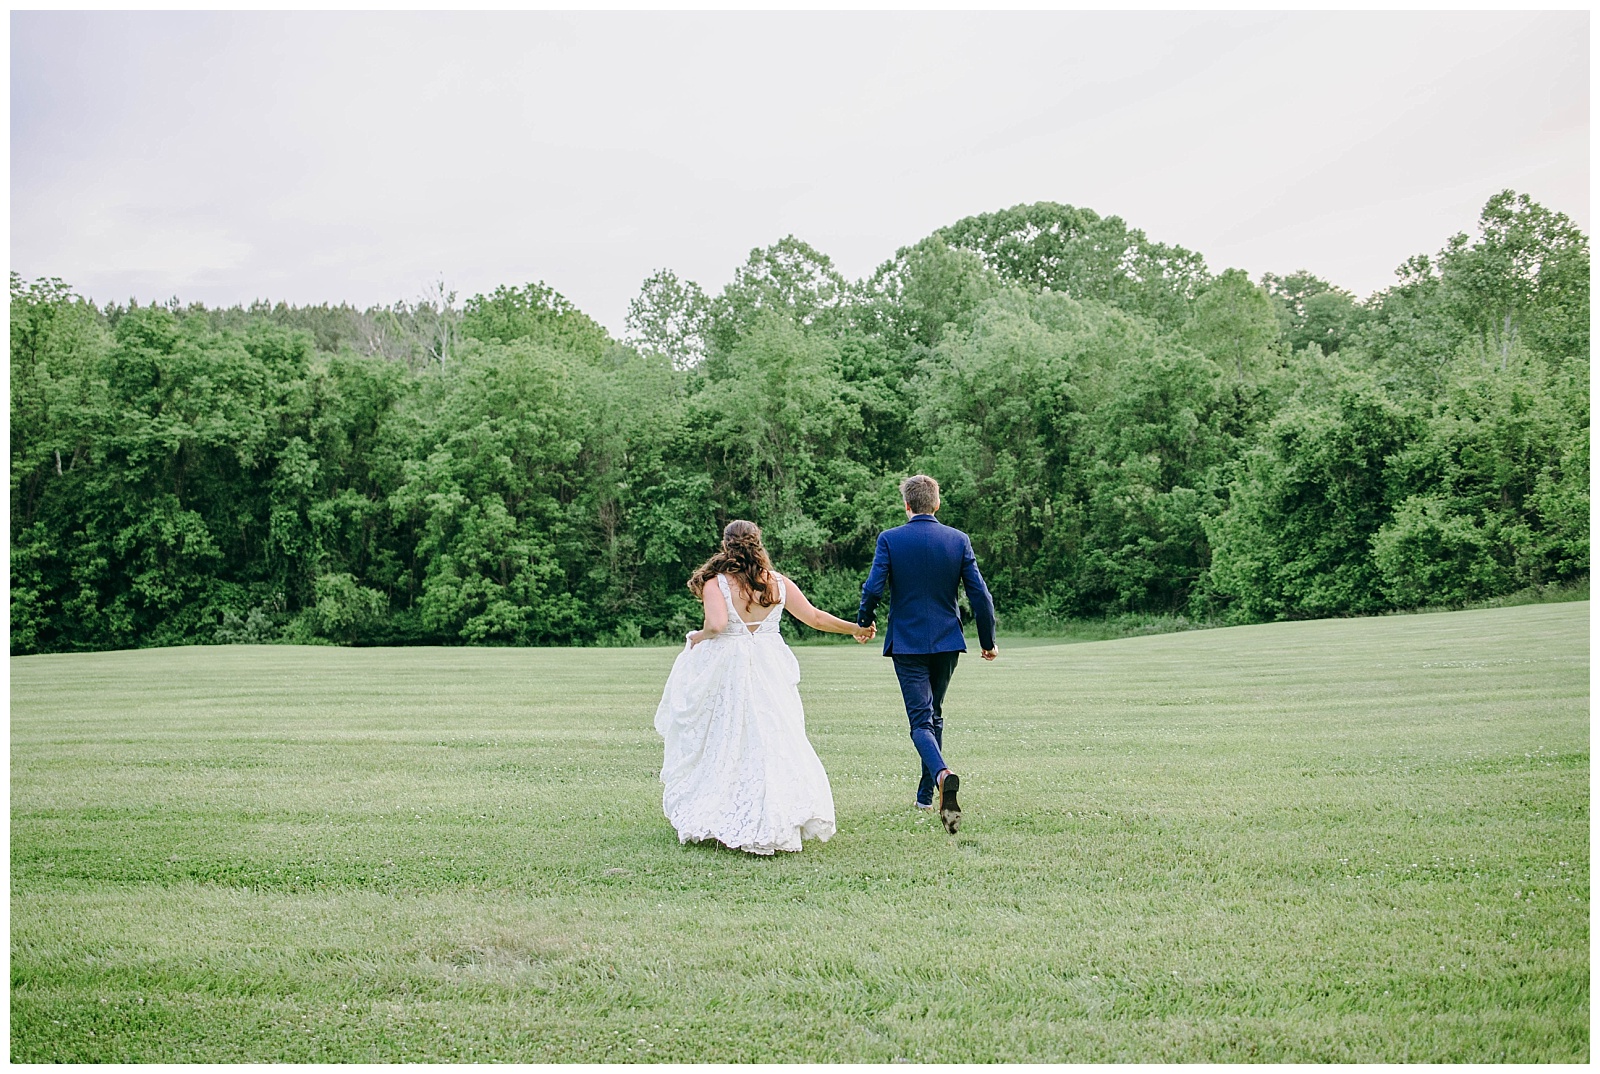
[(739, 768)]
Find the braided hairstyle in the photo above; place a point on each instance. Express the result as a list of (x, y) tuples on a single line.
[(743, 556)]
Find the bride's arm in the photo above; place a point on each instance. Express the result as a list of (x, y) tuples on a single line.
[(716, 620), (812, 616)]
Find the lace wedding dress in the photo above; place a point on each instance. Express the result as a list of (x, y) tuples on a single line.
[(739, 768)]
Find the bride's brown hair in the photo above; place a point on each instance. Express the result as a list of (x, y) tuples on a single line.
[(742, 555)]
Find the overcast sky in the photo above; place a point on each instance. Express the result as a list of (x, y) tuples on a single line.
[(357, 157)]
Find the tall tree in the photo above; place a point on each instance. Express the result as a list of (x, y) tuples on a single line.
[(1312, 310), (1233, 322), (670, 317), (537, 313), (1081, 254), (1525, 276), (789, 278), (915, 295)]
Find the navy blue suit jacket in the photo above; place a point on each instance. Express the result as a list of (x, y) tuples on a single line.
[(920, 564)]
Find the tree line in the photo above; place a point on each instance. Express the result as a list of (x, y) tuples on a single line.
[(1119, 429)]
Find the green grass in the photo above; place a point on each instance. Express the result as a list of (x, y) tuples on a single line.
[(1360, 839)]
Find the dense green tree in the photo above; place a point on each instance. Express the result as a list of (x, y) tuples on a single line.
[(1307, 499), (1409, 336), (1078, 443), (1312, 310), (1525, 277), (912, 298), (1001, 405), (488, 490), (1485, 495), (164, 507), (1523, 280), (1120, 432), (778, 429), (1156, 442), (536, 313), (789, 278), (645, 513), (1233, 322), (1079, 253)]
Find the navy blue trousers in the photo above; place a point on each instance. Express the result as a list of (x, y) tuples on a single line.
[(923, 680)]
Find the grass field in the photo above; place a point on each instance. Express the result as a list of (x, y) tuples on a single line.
[(1339, 840)]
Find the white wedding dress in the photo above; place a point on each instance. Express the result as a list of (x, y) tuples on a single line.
[(738, 767)]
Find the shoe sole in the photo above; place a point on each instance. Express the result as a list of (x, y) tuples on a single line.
[(949, 808)]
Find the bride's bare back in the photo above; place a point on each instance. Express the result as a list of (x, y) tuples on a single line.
[(752, 612), (744, 601)]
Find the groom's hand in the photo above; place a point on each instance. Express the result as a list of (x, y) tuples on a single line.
[(990, 654)]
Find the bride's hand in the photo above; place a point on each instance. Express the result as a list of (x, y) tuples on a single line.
[(695, 637), (864, 636)]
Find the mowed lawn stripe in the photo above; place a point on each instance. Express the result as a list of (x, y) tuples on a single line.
[(1335, 840)]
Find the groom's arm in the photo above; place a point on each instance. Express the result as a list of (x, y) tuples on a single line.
[(877, 581), (978, 596)]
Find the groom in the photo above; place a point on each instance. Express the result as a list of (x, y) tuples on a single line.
[(921, 563)]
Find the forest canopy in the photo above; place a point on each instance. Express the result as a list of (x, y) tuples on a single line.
[(1118, 428)]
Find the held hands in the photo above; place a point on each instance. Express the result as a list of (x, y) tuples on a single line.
[(990, 654), (865, 634)]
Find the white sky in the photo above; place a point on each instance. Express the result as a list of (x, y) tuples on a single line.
[(224, 157)]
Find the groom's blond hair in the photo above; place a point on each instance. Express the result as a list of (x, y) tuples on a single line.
[(921, 494)]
